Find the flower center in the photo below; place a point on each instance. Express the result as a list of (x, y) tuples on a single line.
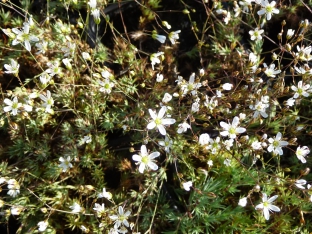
[(145, 159), (158, 121), (232, 130), (276, 143)]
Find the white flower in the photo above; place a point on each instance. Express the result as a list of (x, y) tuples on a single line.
[(15, 210), (14, 188), (67, 63), (245, 4), (268, 9), (290, 102), (100, 209), (301, 90), (42, 226), (201, 72), (260, 107), (231, 130), (76, 208), (106, 86), (300, 183), (84, 229), (96, 15), (159, 121), (270, 72), (24, 36), (154, 58), (42, 47), (160, 38), (242, 202), (290, 33), (214, 145), (266, 206), (227, 162), (12, 105), (276, 144), (256, 34), (159, 77), (210, 163), (302, 152), (182, 127), (204, 139), (44, 78), (105, 194), (65, 163), (304, 53), (228, 144), (190, 86), (120, 218), (212, 103), (195, 106), (165, 24), (145, 159), (69, 49), (187, 185), (86, 56), (174, 36), (92, 4), (13, 68), (227, 86), (86, 140), (167, 98), (167, 143), (256, 145), (48, 102), (54, 68)]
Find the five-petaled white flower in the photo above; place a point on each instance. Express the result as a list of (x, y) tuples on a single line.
[(145, 159), (302, 152), (190, 86), (268, 9), (120, 218), (174, 36), (276, 144), (154, 58), (42, 226), (48, 102), (270, 71), (187, 185), (65, 163), (24, 36), (301, 90), (106, 86), (159, 121), (256, 34), (167, 143), (13, 68), (260, 107), (231, 130), (12, 105), (266, 206)]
